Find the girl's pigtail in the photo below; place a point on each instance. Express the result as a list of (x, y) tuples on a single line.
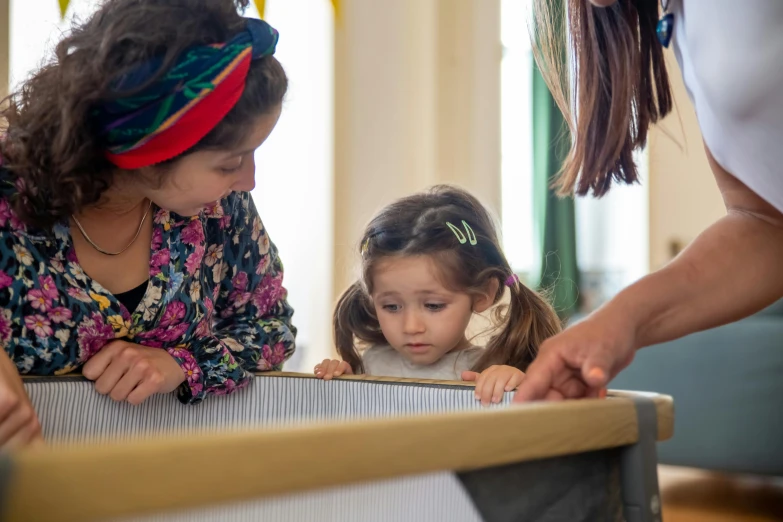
[(528, 321), (354, 318)]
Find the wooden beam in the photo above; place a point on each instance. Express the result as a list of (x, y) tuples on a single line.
[(168, 472)]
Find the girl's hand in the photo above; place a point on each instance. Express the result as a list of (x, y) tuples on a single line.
[(332, 368), (19, 425), (131, 372), (493, 382)]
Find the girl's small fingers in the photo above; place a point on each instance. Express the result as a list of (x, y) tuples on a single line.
[(488, 389), (481, 379), (499, 389), (334, 368), (329, 367), (320, 368), (515, 380)]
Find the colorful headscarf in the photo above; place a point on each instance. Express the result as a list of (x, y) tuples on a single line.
[(172, 114)]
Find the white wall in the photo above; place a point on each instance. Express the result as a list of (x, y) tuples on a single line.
[(612, 232), (5, 37), (294, 172), (36, 28), (519, 241), (417, 102), (684, 199)]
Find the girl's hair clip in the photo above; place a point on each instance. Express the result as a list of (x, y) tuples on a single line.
[(365, 247), (512, 280), (462, 238)]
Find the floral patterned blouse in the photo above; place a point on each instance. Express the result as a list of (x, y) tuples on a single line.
[(214, 301)]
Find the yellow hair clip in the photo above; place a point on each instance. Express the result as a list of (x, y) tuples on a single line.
[(471, 236)]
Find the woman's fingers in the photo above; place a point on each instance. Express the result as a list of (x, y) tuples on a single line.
[(27, 432), (20, 420), (144, 389)]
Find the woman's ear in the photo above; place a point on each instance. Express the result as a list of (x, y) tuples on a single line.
[(485, 299)]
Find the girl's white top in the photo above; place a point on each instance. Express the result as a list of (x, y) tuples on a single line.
[(384, 361)]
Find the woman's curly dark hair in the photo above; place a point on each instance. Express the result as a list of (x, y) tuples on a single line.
[(50, 143)]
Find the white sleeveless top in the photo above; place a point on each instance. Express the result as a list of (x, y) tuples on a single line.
[(731, 56)]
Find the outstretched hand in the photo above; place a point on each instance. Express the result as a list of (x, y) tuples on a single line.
[(19, 425), (579, 362)]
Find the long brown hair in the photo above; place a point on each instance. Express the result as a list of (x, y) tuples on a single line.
[(620, 85), (417, 226), (50, 143)]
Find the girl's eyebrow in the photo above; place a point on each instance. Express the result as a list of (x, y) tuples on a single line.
[(430, 292), (392, 293)]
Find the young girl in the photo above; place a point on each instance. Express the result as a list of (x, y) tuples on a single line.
[(429, 262)]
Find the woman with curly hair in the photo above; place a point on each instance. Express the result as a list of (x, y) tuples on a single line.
[(129, 245)]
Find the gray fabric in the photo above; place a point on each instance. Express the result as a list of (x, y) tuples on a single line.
[(422, 498), (70, 409), (574, 488), (639, 467), (727, 385)]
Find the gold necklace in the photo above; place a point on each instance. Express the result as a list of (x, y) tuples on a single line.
[(102, 251)]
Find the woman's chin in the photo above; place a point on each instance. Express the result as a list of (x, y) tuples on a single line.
[(188, 212), (193, 211)]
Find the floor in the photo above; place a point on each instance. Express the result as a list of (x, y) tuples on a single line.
[(696, 496)]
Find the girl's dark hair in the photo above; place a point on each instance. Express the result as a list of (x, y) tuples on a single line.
[(50, 144), (417, 226), (620, 85)]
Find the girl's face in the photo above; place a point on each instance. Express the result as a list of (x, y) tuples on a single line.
[(420, 318), (201, 178)]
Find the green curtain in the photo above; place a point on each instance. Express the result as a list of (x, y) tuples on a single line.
[(554, 222)]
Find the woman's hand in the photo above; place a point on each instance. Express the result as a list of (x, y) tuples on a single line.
[(19, 425), (493, 382), (329, 368), (728, 272), (580, 361), (131, 372)]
